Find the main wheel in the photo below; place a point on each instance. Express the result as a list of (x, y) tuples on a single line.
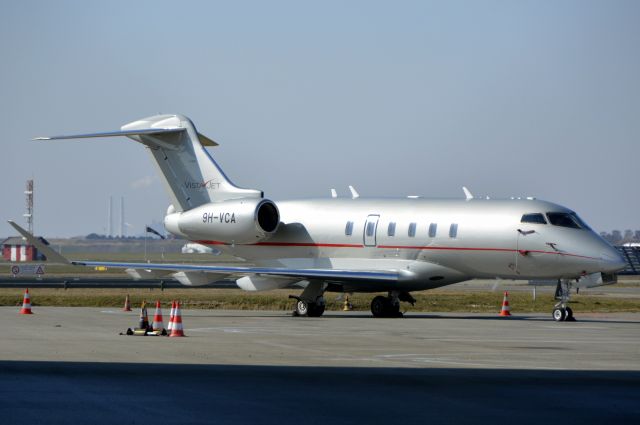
[(302, 308), (559, 314), (393, 310), (315, 309), (380, 306), (569, 317)]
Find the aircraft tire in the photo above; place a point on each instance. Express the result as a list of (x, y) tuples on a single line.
[(559, 314), (315, 310), (569, 317), (302, 308), (380, 306), (394, 310)]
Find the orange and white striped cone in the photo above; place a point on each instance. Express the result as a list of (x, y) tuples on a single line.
[(158, 324), (172, 314), (505, 305), (26, 303), (127, 304), (176, 329)]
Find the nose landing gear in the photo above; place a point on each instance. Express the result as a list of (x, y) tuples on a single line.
[(562, 312)]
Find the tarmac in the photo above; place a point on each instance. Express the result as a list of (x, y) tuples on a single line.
[(262, 367)]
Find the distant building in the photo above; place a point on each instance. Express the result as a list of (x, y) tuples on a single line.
[(16, 249)]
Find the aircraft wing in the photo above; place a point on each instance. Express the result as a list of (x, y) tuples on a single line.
[(51, 255), (313, 273), (325, 274)]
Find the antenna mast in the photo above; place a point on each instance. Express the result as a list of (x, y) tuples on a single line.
[(29, 198)]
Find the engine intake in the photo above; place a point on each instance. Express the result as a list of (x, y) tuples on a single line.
[(241, 221)]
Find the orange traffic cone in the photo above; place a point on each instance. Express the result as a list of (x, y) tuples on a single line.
[(144, 317), (26, 303), (170, 324), (172, 315), (505, 305), (127, 304), (158, 324), (176, 329)]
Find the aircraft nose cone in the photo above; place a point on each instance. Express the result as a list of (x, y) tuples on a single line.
[(613, 261)]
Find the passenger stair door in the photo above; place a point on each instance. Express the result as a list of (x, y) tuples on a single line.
[(370, 230)]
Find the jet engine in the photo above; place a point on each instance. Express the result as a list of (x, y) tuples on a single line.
[(241, 221)]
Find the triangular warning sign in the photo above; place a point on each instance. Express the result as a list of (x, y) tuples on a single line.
[(40, 270)]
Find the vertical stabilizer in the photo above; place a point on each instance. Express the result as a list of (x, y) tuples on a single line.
[(191, 174)]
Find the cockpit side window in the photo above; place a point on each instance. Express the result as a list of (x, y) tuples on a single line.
[(563, 220), (533, 218), (580, 222)]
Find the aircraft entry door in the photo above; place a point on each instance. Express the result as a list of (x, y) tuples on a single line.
[(370, 229)]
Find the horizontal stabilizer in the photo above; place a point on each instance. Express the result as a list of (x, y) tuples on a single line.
[(145, 131), (204, 140)]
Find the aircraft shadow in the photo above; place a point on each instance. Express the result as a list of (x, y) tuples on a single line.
[(107, 393)]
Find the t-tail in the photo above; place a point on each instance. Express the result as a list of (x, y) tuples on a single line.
[(191, 174)]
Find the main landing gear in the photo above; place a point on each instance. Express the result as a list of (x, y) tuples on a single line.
[(309, 308), (311, 302), (562, 312), (389, 306)]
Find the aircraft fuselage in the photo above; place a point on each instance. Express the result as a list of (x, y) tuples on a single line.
[(436, 241)]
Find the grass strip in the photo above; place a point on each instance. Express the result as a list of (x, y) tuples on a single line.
[(235, 299)]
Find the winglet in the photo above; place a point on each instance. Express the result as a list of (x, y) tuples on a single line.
[(334, 194), (354, 193), (467, 193), (51, 255)]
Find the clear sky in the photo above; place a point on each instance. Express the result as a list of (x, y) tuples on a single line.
[(510, 98)]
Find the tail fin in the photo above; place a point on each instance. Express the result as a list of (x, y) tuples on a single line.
[(191, 174)]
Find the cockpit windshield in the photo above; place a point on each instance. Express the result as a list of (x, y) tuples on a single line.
[(564, 219), (581, 222)]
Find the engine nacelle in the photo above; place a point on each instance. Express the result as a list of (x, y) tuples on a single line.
[(241, 221)]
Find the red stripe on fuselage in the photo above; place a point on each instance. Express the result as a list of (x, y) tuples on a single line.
[(301, 244), (323, 245), (425, 248)]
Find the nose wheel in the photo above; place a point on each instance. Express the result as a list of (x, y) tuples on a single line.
[(562, 312)]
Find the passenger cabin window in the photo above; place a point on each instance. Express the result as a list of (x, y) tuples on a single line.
[(371, 228), (412, 230), (348, 229), (391, 231), (563, 220), (533, 218), (453, 230), (433, 228)]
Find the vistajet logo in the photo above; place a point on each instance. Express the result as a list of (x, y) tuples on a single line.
[(210, 184)]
